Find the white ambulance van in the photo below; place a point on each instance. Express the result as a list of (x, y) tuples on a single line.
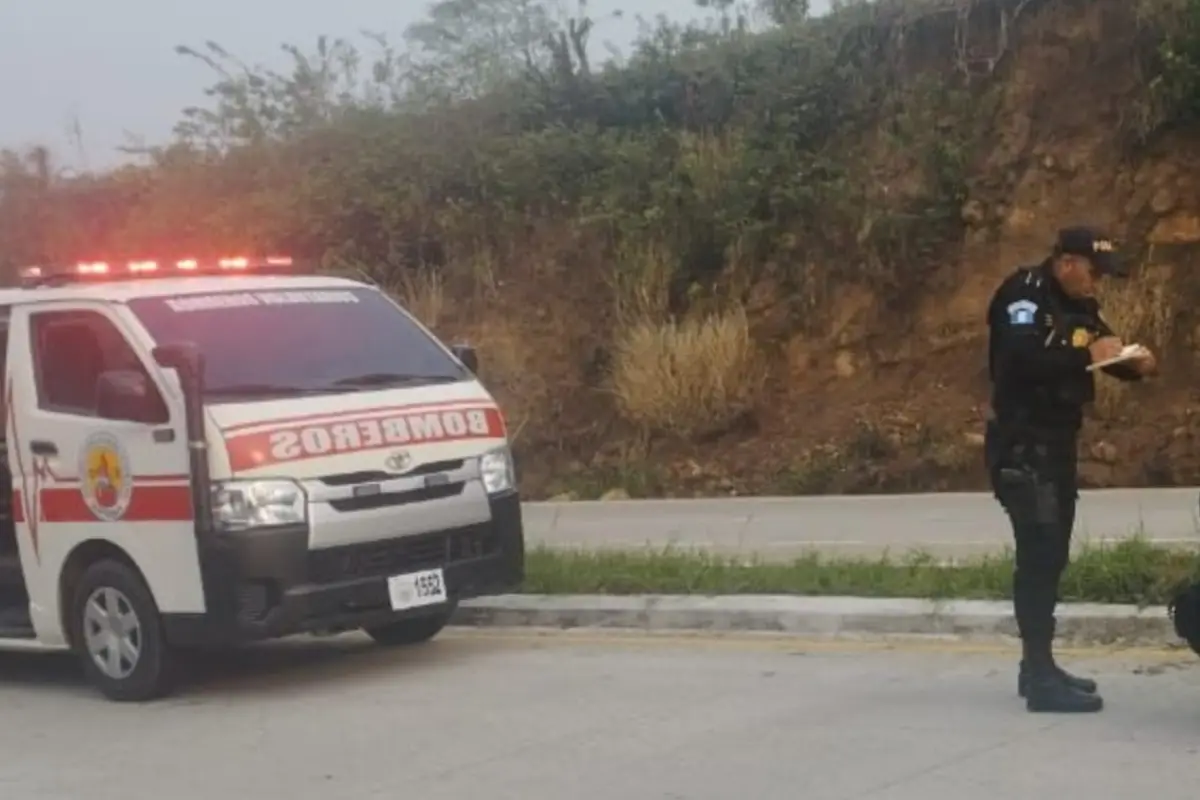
[(209, 454)]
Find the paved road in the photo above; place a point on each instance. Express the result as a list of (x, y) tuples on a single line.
[(509, 715), (950, 525)]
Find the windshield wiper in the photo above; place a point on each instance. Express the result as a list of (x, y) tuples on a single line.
[(260, 390), (376, 379)]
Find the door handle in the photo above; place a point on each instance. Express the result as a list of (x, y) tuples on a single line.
[(40, 447)]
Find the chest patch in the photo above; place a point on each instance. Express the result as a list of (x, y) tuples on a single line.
[(1080, 337)]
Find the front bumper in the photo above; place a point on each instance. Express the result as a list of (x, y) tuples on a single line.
[(266, 585)]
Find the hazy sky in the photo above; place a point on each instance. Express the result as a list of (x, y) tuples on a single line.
[(111, 65)]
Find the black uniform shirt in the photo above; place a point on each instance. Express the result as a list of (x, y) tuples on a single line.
[(1038, 352)]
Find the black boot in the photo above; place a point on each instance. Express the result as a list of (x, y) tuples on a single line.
[(1046, 687), (1076, 682), (1046, 692)]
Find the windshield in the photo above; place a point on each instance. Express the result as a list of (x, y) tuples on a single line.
[(281, 343)]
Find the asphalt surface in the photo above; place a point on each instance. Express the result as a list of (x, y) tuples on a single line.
[(950, 525), (495, 714)]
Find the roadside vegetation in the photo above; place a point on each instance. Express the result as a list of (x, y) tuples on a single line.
[(1133, 572), (639, 247)]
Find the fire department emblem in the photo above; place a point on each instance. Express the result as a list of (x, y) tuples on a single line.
[(104, 476)]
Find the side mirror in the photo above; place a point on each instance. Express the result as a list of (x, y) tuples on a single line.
[(127, 395), (467, 355), (183, 356)]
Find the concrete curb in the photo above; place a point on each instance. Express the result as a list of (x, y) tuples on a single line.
[(1082, 623)]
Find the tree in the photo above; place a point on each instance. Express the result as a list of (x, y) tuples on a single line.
[(784, 12), (253, 105), (468, 48)]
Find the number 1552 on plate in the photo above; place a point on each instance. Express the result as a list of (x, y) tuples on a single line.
[(416, 589)]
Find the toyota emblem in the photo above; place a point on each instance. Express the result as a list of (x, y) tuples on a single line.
[(399, 462)]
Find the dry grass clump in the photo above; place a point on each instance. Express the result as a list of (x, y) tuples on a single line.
[(1140, 310), (692, 377), (423, 293), (512, 367)]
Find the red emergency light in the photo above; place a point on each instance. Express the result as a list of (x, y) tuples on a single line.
[(101, 271)]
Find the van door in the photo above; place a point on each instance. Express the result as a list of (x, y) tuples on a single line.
[(14, 602), (83, 474)]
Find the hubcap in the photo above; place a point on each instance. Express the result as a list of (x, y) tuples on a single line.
[(112, 632)]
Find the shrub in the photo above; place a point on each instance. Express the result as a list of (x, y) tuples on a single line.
[(692, 377)]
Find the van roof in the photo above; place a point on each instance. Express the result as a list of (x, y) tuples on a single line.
[(124, 290)]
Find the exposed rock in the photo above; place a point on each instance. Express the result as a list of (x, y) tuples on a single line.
[(1164, 201), (843, 364), (1135, 205), (1093, 475), (852, 314), (973, 439), (1020, 219), (1105, 452), (974, 212), (615, 494), (1179, 228), (799, 354)]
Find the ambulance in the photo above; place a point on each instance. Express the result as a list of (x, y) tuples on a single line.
[(208, 453)]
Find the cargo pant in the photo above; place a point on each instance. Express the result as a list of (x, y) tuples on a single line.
[(1035, 479)]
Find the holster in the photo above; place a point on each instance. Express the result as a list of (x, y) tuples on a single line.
[(1021, 473)]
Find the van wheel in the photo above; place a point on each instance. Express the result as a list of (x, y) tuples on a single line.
[(415, 630), (117, 631)]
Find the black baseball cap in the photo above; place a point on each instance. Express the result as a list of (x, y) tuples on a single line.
[(1089, 243)]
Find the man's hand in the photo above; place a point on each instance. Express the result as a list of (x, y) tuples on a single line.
[(1145, 364), (1106, 347)]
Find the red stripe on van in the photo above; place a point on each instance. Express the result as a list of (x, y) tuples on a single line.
[(150, 503)]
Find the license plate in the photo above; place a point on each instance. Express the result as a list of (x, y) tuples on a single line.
[(416, 589)]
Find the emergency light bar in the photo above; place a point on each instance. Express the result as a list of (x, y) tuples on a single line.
[(100, 271)]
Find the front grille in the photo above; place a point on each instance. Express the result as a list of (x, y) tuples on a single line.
[(365, 502), (395, 556), (378, 476)]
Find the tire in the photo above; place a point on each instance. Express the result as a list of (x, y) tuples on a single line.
[(412, 631), (138, 674)]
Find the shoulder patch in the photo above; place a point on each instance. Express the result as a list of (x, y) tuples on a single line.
[(1022, 312)]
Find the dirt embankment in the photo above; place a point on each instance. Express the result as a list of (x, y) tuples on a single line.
[(888, 391)]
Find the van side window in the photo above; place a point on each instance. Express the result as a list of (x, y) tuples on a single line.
[(71, 351)]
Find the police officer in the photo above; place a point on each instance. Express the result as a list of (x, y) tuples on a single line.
[(1045, 330)]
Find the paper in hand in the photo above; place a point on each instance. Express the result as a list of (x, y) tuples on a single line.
[(1128, 353)]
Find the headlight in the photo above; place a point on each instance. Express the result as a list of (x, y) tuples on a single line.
[(238, 505), (497, 471)]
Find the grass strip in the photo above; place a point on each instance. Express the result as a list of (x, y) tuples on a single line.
[(1133, 571)]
